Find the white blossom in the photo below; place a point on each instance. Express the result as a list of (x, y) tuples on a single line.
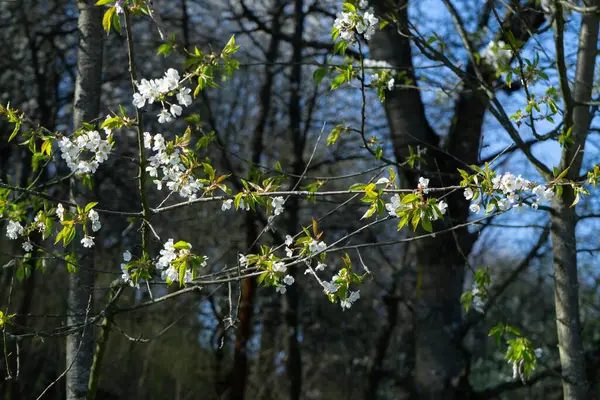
[(495, 55), (226, 205), (288, 280), (344, 24), (39, 222), (164, 116), (183, 97), (277, 203), (119, 7), (88, 241), (14, 230), (351, 299), (288, 240), (147, 140), (27, 246), (390, 84), (281, 289), (367, 25), (279, 266), (316, 247), (475, 208), (175, 110), (423, 185), (330, 287), (60, 212), (468, 193), (126, 256)]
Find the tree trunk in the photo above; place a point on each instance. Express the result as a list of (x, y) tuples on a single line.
[(290, 302), (80, 346), (440, 367), (240, 363), (564, 218)]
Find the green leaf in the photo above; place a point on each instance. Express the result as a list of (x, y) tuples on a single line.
[(164, 49), (415, 220), (338, 81), (319, 74), (90, 206), (69, 236), (107, 19), (262, 277), (181, 245), (116, 20), (426, 224), (15, 131), (349, 7), (357, 187), (104, 2)]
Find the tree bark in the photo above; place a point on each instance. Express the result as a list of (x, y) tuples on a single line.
[(80, 346), (564, 217)]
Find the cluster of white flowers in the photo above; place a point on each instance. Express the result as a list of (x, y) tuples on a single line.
[(350, 299), (14, 230), (88, 241), (495, 55), (175, 175), (288, 281), (126, 276), (277, 204), (38, 221), (347, 22), (395, 206), (91, 143), (158, 89), (95, 220), (423, 185), (27, 246), (316, 247), (512, 187), (165, 262), (381, 72)]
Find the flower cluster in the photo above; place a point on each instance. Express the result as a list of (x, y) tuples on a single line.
[(316, 247), (87, 143), (512, 188), (382, 73), (398, 208), (126, 276), (95, 220), (288, 280), (14, 230), (332, 287), (88, 241), (277, 204), (496, 55), (174, 257), (168, 160), (153, 90), (350, 21)]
